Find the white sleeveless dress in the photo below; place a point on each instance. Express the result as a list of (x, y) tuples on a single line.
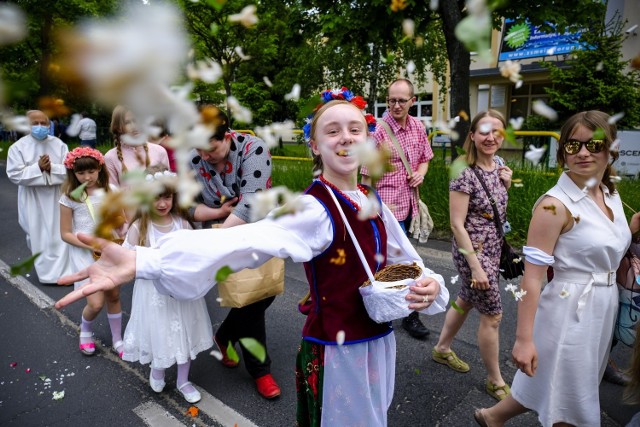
[(81, 258), (162, 330), (576, 312)]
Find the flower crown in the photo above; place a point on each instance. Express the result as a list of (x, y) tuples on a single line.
[(339, 94), (160, 175), (78, 152)]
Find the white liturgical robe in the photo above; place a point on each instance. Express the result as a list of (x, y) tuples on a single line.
[(38, 207)]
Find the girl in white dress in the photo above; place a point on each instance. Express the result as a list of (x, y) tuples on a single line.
[(564, 331), (85, 165), (164, 331), (346, 362)]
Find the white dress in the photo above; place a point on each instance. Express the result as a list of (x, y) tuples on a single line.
[(576, 313), (83, 222), (162, 330), (185, 264), (38, 196)]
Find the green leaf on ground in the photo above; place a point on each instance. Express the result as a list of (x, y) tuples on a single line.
[(231, 353), (456, 308)]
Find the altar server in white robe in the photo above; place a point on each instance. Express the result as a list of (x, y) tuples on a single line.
[(35, 164)]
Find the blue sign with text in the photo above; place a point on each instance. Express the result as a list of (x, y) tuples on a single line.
[(522, 40)]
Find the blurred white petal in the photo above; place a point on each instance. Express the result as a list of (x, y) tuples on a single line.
[(433, 5), (599, 66), (239, 112), (534, 154), (370, 208), (511, 70), (411, 67), (516, 122), (340, 337), (294, 95), (18, 123), (615, 145), (485, 128), (208, 71), (539, 107), (247, 16), (267, 81), (240, 53), (408, 27), (134, 140), (614, 119), (13, 25)]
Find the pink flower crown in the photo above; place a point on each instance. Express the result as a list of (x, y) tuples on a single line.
[(78, 152), (336, 94)]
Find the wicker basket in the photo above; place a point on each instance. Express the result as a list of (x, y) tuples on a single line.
[(395, 272)]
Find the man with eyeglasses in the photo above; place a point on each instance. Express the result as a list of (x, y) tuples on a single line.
[(396, 188)]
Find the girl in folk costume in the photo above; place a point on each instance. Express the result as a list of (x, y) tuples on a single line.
[(128, 153), (85, 165), (345, 368), (164, 331)]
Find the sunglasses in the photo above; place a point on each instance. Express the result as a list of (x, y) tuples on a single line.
[(593, 146)]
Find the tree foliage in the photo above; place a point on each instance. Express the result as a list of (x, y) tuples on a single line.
[(27, 66), (596, 78), (276, 49)]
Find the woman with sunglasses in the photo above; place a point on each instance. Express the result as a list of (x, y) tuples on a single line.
[(564, 330)]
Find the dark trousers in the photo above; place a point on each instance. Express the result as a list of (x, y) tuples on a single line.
[(248, 322)]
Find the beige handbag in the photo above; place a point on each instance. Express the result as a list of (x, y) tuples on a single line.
[(252, 284), (421, 222)]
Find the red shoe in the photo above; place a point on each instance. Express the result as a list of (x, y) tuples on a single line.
[(226, 361), (267, 387)]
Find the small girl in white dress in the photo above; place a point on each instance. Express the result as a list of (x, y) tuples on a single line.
[(85, 165), (162, 330)]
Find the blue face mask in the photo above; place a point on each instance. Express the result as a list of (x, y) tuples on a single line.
[(39, 132)]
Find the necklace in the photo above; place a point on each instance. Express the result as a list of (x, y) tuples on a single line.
[(362, 188)]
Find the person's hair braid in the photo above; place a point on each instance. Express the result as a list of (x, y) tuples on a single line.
[(119, 152), (147, 161)]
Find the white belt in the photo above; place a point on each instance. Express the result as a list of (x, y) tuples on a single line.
[(589, 279)]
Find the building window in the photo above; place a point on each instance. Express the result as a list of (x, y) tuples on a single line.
[(421, 109), (522, 98)]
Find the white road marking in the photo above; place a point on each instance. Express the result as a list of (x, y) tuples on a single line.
[(155, 415), (221, 413), (34, 294)]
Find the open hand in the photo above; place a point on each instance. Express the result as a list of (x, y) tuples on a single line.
[(115, 267)]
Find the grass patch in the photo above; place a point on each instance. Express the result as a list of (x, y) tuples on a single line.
[(297, 175)]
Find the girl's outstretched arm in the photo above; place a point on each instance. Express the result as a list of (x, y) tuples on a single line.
[(115, 267)]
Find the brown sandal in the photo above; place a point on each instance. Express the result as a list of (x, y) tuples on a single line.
[(496, 392)]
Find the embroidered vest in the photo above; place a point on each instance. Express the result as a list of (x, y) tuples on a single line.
[(335, 275)]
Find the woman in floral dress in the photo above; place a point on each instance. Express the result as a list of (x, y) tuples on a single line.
[(476, 247)]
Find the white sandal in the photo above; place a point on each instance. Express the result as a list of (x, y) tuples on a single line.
[(87, 348), (119, 344)]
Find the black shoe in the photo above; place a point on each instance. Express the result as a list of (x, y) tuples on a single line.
[(414, 326), (615, 376)]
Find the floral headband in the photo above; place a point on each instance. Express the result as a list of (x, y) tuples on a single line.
[(76, 153), (160, 175), (339, 94)]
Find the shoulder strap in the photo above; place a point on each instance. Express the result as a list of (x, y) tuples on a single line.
[(396, 144), (492, 202)]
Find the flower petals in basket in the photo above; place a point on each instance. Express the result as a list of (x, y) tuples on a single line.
[(384, 299)]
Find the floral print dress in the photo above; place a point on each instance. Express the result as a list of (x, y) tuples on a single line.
[(484, 236)]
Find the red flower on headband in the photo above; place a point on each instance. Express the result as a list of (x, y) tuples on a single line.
[(76, 153), (359, 102)]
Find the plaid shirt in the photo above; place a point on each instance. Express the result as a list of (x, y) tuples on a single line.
[(393, 187)]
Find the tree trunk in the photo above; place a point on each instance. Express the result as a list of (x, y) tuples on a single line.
[(373, 80), (45, 59), (459, 63)]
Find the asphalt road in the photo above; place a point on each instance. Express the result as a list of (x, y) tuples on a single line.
[(39, 355)]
